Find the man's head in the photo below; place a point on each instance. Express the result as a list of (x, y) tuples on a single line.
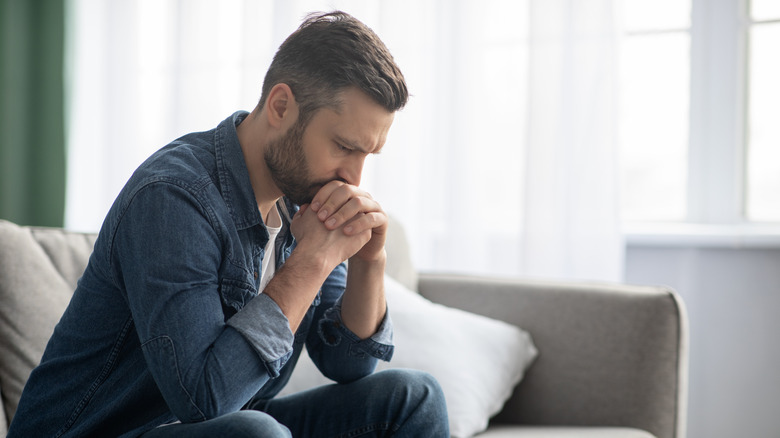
[(332, 146), (328, 54), (345, 83)]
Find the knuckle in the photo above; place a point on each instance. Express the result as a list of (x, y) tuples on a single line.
[(359, 203)]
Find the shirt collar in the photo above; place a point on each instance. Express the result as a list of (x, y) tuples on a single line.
[(235, 185)]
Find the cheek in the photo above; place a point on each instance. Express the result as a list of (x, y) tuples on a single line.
[(322, 162)]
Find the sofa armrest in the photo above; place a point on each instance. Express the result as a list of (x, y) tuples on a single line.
[(609, 354)]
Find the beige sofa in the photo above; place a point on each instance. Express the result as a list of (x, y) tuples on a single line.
[(612, 358)]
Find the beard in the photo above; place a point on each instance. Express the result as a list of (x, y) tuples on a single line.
[(289, 168)]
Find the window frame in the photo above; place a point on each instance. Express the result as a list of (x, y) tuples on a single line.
[(718, 142)]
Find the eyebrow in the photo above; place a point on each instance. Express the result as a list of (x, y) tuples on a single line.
[(354, 145)]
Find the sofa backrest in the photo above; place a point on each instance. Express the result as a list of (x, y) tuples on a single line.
[(39, 268)]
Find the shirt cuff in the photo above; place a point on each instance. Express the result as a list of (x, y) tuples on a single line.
[(262, 323), (379, 345)]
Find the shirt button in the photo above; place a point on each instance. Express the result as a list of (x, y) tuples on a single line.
[(256, 275)]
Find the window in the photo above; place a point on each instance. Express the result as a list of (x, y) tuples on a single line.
[(654, 70), (763, 132), (700, 100)]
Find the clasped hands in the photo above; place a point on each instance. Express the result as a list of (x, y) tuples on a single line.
[(342, 222)]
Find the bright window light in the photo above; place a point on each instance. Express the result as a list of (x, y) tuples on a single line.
[(763, 183), (644, 15), (765, 9), (654, 126)]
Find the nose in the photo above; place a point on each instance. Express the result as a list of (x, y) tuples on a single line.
[(352, 170)]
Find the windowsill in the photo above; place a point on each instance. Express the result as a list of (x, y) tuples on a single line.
[(751, 235)]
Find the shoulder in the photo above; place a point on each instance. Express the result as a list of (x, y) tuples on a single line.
[(187, 160), (178, 180)]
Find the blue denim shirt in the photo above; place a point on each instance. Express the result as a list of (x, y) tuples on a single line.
[(166, 323)]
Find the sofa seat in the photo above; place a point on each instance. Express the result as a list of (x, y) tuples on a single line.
[(505, 431)]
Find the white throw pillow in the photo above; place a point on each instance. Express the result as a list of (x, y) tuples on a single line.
[(477, 360)]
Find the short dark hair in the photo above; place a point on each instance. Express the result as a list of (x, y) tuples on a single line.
[(328, 53)]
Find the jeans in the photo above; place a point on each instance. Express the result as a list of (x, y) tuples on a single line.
[(392, 403)]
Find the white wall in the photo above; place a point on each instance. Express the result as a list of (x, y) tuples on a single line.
[(733, 301)]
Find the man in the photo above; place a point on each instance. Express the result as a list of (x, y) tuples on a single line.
[(207, 278)]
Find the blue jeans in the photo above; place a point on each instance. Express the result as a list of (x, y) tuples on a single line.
[(391, 403)]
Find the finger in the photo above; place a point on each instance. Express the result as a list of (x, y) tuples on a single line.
[(301, 210), (336, 200), (374, 221), (352, 208), (324, 193)]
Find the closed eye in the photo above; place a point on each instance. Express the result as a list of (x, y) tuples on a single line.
[(343, 148)]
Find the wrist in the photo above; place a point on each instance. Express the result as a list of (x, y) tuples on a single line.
[(364, 261), (312, 264)]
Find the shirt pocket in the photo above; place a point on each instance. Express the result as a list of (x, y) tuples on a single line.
[(235, 294)]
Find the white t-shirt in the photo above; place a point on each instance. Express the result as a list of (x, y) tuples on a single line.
[(273, 224)]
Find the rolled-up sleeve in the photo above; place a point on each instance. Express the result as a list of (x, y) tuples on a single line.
[(331, 331), (267, 329), (339, 353)]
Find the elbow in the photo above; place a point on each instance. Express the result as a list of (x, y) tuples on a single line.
[(346, 371), (209, 388), (202, 400)]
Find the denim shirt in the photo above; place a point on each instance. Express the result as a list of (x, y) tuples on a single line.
[(166, 323)]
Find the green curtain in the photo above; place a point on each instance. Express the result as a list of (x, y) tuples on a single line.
[(32, 115)]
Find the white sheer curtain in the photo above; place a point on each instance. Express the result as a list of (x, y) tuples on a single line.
[(503, 162)]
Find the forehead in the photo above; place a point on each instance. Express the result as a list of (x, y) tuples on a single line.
[(358, 121)]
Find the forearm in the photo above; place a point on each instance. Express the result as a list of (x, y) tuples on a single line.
[(295, 286), (340, 354), (363, 304)]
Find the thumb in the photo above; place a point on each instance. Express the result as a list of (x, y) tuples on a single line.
[(301, 211)]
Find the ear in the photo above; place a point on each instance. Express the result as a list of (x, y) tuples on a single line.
[(282, 108)]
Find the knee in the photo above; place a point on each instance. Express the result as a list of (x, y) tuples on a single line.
[(430, 389), (409, 377), (418, 387), (420, 399), (255, 424)]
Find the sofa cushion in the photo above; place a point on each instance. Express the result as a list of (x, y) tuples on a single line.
[(477, 360), (39, 268)]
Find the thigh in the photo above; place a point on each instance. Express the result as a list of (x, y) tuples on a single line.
[(242, 424), (398, 403)]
